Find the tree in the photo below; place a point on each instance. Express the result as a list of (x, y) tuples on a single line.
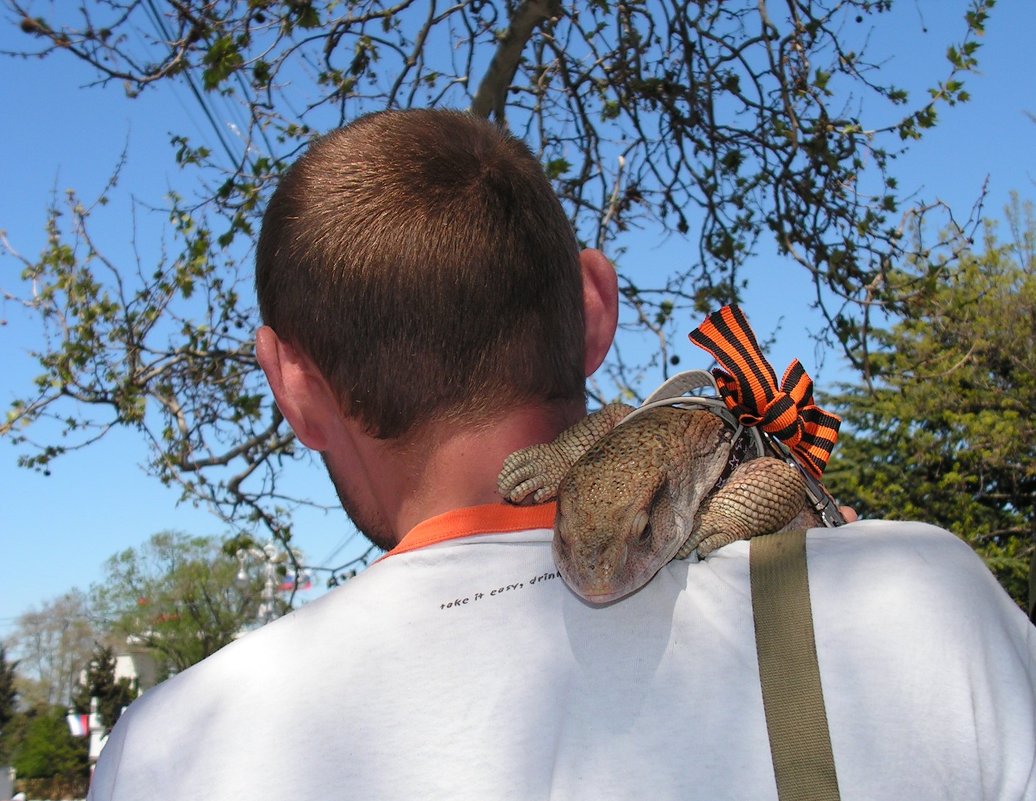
[(49, 751), (180, 596), (8, 699), (54, 645), (724, 123), (113, 695), (946, 433)]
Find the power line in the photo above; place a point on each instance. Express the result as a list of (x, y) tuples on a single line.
[(165, 35)]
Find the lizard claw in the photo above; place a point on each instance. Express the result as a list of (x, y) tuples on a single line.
[(534, 471), (715, 541), (761, 496), (538, 469), (708, 538)]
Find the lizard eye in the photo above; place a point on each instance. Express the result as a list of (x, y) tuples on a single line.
[(559, 536), (641, 529)]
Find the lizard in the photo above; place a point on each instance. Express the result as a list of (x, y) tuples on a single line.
[(632, 497)]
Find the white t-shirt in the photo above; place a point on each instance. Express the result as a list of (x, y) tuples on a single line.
[(461, 667)]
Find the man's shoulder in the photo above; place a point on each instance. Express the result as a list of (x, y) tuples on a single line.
[(215, 705), (906, 569), (375, 608), (274, 655), (890, 539), (892, 543), (896, 550)]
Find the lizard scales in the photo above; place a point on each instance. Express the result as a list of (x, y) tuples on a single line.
[(632, 497)]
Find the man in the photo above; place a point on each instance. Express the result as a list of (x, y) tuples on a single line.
[(427, 313)]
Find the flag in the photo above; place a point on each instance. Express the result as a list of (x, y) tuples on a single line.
[(288, 582), (79, 725)]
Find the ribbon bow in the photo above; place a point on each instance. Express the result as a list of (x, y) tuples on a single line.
[(748, 385)]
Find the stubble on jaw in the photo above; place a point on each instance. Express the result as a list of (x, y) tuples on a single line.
[(369, 523)]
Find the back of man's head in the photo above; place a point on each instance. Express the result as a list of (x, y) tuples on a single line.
[(422, 261)]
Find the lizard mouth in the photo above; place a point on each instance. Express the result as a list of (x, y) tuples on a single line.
[(604, 597), (610, 576), (594, 585), (598, 589)]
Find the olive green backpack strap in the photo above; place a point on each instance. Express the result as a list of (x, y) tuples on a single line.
[(792, 697)]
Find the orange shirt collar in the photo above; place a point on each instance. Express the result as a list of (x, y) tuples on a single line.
[(491, 518)]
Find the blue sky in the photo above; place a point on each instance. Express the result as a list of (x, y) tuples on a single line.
[(56, 531)]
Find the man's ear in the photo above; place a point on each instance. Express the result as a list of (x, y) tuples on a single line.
[(302, 394), (600, 307)]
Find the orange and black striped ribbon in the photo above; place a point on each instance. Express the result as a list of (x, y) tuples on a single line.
[(748, 385)]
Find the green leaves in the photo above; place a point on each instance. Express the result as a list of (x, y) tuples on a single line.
[(113, 695), (181, 596), (8, 702), (221, 60), (946, 434), (727, 127), (48, 750), (557, 167)]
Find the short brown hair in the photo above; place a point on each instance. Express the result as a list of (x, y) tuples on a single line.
[(422, 260)]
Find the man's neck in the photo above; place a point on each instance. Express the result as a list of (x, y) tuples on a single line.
[(394, 486), (451, 469)]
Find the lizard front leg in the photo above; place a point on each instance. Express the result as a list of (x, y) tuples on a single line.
[(761, 496), (538, 469)]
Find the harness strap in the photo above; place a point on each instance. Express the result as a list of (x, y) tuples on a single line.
[(793, 699)]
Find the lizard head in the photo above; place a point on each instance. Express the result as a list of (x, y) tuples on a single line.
[(606, 559), (623, 511)]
